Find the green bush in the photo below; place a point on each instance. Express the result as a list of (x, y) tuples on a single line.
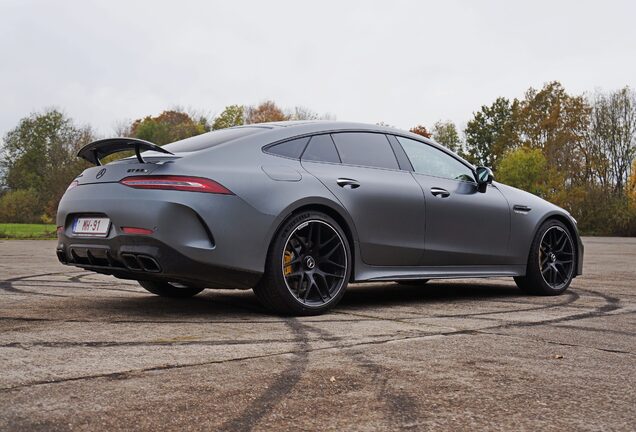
[(20, 206), (526, 169)]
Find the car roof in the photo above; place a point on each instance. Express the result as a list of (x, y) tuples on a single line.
[(301, 127), (314, 125)]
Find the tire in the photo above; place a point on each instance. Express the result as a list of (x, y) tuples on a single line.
[(308, 266), (413, 282), (551, 262), (166, 289)]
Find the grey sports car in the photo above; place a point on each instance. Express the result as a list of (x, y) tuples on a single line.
[(297, 210)]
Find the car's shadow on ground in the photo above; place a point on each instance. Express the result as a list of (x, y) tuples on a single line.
[(244, 305), (393, 293)]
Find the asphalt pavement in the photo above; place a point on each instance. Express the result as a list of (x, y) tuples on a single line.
[(81, 351)]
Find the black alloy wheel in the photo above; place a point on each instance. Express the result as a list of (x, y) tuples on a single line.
[(308, 266), (556, 257), (314, 262), (552, 261)]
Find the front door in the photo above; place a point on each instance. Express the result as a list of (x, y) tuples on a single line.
[(464, 227)]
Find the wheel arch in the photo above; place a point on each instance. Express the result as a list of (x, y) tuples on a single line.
[(573, 231), (325, 206)]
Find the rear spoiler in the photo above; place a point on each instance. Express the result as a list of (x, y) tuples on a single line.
[(96, 150)]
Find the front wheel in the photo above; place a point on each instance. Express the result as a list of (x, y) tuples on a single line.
[(308, 266), (551, 262), (170, 289)]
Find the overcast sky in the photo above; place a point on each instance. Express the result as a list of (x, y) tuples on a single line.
[(400, 62)]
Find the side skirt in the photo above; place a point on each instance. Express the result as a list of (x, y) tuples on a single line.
[(373, 273)]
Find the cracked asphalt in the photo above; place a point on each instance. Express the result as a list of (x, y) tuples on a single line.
[(80, 351)]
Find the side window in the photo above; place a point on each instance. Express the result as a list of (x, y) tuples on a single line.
[(321, 149), (428, 160), (291, 149), (366, 149)]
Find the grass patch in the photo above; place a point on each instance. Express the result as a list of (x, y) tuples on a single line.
[(27, 231)]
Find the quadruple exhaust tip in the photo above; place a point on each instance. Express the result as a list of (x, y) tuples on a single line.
[(138, 262)]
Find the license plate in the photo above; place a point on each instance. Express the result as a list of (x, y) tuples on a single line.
[(93, 227)]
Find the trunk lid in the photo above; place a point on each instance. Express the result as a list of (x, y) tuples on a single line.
[(114, 172)]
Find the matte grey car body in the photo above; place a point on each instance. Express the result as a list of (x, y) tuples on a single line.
[(400, 224)]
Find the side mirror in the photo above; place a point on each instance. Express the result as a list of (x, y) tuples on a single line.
[(484, 177)]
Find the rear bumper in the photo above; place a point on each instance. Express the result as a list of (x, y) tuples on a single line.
[(145, 258), (203, 239)]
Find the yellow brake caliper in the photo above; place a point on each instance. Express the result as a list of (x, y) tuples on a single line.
[(287, 259)]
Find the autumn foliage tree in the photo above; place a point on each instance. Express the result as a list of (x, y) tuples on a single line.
[(445, 133), (527, 168), (232, 115), (268, 111), (611, 141), (39, 162), (583, 147), (304, 113), (631, 187), (421, 130), (265, 112), (575, 150), (555, 122), (491, 132), (167, 127)]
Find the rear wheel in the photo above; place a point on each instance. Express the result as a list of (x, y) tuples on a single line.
[(551, 262), (308, 266), (170, 289)]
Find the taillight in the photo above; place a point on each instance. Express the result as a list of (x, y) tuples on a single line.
[(180, 183), (72, 185)]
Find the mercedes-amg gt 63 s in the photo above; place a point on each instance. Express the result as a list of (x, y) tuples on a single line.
[(297, 210)]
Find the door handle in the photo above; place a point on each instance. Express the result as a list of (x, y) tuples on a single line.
[(348, 183), (440, 192)]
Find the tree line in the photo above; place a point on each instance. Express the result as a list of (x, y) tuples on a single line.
[(577, 151)]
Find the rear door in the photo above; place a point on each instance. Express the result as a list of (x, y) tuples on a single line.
[(385, 203), (464, 227)]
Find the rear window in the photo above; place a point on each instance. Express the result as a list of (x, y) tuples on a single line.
[(211, 139), (366, 149), (321, 149), (290, 149)]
